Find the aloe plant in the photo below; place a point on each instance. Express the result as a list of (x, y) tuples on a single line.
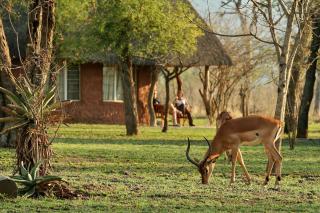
[(31, 181), (27, 106), (29, 110)]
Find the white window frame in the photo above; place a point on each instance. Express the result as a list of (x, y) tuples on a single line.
[(65, 84), (114, 83)]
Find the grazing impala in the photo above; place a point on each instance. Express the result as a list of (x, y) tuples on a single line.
[(239, 131)]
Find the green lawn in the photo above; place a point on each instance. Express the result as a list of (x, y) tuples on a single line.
[(149, 172)]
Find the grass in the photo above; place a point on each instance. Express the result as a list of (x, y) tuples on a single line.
[(149, 173)]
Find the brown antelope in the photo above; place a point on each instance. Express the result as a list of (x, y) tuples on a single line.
[(222, 118), (242, 131)]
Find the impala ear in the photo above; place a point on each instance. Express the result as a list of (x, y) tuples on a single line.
[(212, 158)]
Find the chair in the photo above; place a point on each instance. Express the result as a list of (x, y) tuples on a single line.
[(159, 112), (182, 116)]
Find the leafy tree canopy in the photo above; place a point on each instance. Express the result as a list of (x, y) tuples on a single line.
[(144, 28)]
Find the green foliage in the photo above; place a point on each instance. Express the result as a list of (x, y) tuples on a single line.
[(30, 181), (75, 37), (144, 28), (28, 106)]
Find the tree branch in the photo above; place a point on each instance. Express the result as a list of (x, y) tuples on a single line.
[(284, 7)]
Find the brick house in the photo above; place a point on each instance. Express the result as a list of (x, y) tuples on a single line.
[(92, 93), (95, 91)]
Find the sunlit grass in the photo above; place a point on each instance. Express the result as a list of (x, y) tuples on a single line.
[(149, 172)]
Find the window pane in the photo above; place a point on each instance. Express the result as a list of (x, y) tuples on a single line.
[(108, 83), (112, 84), (73, 82), (119, 92), (61, 86)]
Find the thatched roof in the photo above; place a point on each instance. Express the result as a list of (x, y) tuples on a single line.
[(209, 49), (209, 52)]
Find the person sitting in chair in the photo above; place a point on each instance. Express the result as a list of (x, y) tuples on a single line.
[(182, 105), (172, 109)]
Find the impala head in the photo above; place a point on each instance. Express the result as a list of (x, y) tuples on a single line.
[(222, 118), (205, 166)]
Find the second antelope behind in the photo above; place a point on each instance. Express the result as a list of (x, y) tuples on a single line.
[(235, 132)]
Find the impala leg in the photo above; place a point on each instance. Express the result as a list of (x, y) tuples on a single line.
[(233, 160), (277, 162), (241, 162), (269, 168)]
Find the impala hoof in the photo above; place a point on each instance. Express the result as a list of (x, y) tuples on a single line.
[(276, 188)]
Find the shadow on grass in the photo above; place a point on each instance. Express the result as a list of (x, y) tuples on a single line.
[(131, 141)]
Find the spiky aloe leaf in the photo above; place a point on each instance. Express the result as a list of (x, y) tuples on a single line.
[(29, 177), (27, 191), (27, 87), (23, 181), (9, 119), (13, 98), (9, 111), (35, 170), (48, 178), (10, 95), (49, 96), (18, 109), (51, 107), (15, 126), (24, 172)]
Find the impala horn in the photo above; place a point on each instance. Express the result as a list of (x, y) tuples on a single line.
[(209, 144), (188, 157)]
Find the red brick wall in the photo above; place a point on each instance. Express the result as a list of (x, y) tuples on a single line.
[(91, 108)]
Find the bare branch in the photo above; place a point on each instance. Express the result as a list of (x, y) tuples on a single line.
[(284, 7)]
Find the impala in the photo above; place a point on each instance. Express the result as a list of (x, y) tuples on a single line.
[(222, 118), (242, 131)]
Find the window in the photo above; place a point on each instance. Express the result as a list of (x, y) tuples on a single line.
[(112, 85), (69, 83)]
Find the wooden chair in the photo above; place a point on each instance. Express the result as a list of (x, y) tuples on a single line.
[(159, 111), (182, 116)]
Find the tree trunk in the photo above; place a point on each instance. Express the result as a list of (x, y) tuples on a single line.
[(33, 57), (292, 106), (242, 95), (166, 104), (48, 25), (246, 103), (284, 74), (316, 110), (7, 139), (179, 82), (302, 131), (154, 79), (294, 90), (205, 94), (129, 97)]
